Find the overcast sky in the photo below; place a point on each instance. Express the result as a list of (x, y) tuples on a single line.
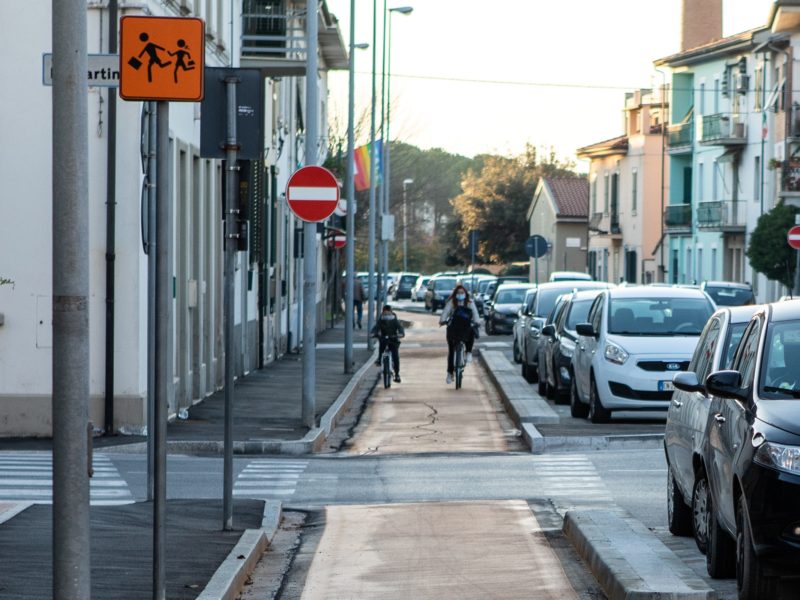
[(474, 76)]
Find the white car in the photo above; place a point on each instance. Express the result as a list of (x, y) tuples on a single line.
[(636, 339)]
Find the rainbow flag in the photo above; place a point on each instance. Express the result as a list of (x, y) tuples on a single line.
[(361, 157)]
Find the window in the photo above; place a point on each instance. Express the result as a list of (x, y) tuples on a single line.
[(757, 179), (757, 98), (596, 312), (699, 264), (716, 96), (594, 193), (704, 353), (702, 103), (605, 195), (713, 264), (715, 171), (748, 350), (634, 189), (689, 265), (700, 180)]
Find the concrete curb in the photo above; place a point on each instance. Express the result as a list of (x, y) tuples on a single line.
[(231, 576), (628, 560), (632, 441), (311, 442)]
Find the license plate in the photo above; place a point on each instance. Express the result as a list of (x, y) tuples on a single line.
[(665, 386)]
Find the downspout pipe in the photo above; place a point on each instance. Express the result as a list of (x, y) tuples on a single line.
[(111, 204)]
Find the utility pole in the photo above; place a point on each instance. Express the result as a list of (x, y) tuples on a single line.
[(350, 261), (70, 385), (310, 229), (372, 159)]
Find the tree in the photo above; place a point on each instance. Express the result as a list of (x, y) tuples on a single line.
[(495, 198), (768, 251)]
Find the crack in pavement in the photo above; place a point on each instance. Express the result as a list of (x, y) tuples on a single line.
[(433, 418)]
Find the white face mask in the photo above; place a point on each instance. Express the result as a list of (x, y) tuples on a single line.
[(461, 297), (387, 317)]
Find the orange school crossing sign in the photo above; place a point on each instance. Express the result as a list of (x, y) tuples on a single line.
[(161, 58)]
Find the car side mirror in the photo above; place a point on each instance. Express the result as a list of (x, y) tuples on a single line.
[(687, 382), (537, 323), (585, 329), (726, 384), (549, 330)]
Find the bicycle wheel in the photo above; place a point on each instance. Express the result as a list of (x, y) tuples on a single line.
[(459, 360), (387, 370)]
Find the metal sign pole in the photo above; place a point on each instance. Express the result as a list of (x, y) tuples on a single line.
[(231, 235), (161, 355), (350, 262), (152, 245), (310, 229)]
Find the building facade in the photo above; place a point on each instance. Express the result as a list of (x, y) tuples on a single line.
[(262, 34)]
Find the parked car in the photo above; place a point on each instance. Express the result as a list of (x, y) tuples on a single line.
[(558, 353), (635, 339), (405, 283), (502, 311), (728, 293), (569, 276), (420, 286), (687, 484), (484, 293), (544, 303), (545, 342), (521, 323), (752, 455), (439, 290)]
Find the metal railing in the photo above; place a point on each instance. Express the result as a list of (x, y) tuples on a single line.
[(678, 215), (680, 135), (723, 127), (721, 214), (267, 33)]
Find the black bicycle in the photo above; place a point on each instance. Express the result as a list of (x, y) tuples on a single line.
[(386, 360), (459, 361)]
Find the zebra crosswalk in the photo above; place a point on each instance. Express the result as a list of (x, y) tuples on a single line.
[(28, 477), (570, 476), (269, 478)]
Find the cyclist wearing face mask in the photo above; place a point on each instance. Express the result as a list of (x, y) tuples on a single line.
[(389, 330), (461, 317)]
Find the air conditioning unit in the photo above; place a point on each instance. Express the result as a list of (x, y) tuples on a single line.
[(742, 83)]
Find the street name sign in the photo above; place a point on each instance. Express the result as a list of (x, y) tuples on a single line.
[(793, 237), (103, 70), (312, 193), (161, 58)]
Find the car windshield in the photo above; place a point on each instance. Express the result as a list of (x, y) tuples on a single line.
[(578, 313), (424, 281), (408, 279), (484, 285), (661, 317), (444, 284), (729, 296), (735, 332), (510, 296), (547, 300), (780, 371)]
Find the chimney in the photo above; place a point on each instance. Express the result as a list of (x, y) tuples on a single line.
[(701, 23)]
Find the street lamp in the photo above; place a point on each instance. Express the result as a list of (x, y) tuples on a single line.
[(406, 183), (387, 51), (350, 266)]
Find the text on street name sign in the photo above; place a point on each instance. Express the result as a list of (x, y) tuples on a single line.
[(103, 70)]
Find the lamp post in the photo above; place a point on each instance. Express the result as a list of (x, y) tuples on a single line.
[(350, 261), (406, 183), (387, 49), (372, 157)]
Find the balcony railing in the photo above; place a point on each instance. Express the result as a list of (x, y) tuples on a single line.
[(678, 216), (722, 215), (680, 136), (723, 129), (269, 33)]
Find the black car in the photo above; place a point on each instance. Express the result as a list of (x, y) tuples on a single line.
[(558, 352), (752, 455), (439, 290), (729, 293), (687, 417), (502, 311), (403, 285)]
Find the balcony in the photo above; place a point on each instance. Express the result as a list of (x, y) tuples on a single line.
[(680, 137), (594, 222), (722, 215), (790, 178), (602, 224), (723, 129), (678, 217), (273, 38)]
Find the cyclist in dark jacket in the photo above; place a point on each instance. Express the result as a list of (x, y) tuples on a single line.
[(389, 331), (462, 319)]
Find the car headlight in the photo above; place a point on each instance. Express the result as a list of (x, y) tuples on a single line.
[(615, 353), (565, 352), (778, 456)]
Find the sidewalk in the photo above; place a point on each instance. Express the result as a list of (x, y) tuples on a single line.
[(267, 407), (267, 418)]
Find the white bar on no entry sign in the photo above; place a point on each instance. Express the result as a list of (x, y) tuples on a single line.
[(794, 236), (312, 193)]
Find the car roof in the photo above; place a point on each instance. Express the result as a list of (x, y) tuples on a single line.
[(570, 284), (788, 310), (586, 294), (515, 286), (641, 291), (739, 314), (728, 284)]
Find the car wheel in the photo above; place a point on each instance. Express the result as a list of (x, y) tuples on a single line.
[(679, 515), (489, 327), (751, 582), (558, 396), (526, 372), (597, 412), (576, 408), (542, 387), (549, 391), (700, 510), (720, 548), (517, 356)]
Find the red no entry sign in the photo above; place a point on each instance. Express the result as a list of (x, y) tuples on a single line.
[(337, 241), (793, 237), (312, 193)]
